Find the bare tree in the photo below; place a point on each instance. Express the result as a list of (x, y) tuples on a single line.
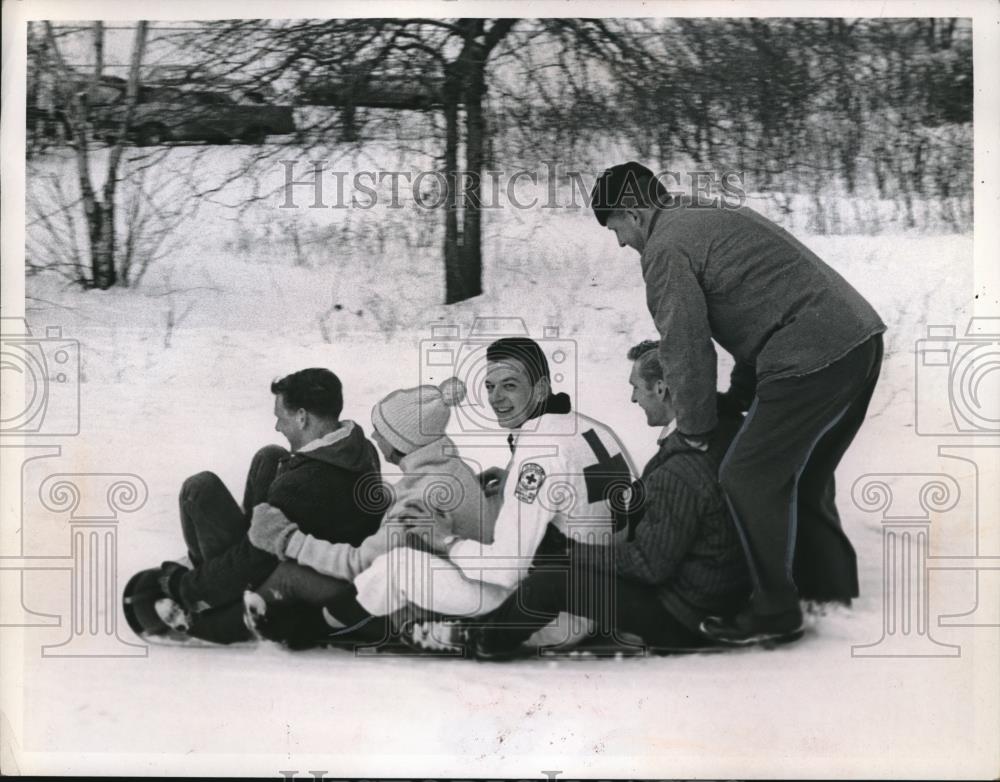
[(99, 210), (423, 64)]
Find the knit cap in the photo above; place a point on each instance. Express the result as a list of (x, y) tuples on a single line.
[(411, 418)]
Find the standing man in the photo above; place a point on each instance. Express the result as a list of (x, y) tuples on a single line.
[(808, 351)]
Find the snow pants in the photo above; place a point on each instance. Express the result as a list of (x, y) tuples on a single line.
[(223, 560), (778, 478)]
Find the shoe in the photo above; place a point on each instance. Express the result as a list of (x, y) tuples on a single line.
[(142, 607), (434, 635), (172, 615), (747, 628), (255, 615), (825, 607)]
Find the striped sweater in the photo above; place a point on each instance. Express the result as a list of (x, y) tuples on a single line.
[(686, 544)]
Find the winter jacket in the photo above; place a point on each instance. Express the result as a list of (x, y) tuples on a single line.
[(686, 544), (736, 277), (323, 489), (564, 470), (437, 488)]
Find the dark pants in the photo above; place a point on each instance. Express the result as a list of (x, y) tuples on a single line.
[(215, 531), (289, 588), (226, 563), (578, 586), (778, 477)]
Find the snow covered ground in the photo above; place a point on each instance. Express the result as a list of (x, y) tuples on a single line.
[(174, 379)]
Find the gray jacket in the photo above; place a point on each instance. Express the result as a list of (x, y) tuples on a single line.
[(736, 277)]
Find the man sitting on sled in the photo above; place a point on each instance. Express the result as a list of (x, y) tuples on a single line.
[(331, 465)]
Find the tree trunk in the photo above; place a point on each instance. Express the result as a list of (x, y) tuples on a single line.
[(101, 217), (69, 102), (348, 123), (98, 55), (102, 222), (472, 226), (453, 277), (33, 102)]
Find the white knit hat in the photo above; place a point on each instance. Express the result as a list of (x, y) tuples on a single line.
[(411, 418)]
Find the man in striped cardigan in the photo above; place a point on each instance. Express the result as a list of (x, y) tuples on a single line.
[(677, 554)]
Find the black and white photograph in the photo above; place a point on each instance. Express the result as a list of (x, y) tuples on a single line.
[(457, 389)]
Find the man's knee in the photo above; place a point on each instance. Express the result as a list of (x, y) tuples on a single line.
[(269, 454), (200, 484)]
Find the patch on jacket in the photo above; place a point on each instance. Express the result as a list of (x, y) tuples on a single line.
[(529, 481)]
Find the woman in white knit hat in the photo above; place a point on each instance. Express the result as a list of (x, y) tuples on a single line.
[(437, 486)]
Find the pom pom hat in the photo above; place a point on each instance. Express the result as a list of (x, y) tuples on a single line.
[(411, 418)]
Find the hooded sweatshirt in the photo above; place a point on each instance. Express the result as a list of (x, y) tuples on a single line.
[(322, 488), (437, 488)]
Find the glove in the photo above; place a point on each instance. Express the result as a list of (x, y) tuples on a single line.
[(169, 579), (432, 540), (492, 479), (270, 530)]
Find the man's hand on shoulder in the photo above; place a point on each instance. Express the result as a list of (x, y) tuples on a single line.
[(270, 529)]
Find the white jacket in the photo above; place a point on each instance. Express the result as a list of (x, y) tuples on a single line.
[(561, 472)]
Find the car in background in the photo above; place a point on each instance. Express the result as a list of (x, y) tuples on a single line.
[(165, 113)]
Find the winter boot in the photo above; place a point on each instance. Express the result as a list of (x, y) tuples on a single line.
[(748, 628)]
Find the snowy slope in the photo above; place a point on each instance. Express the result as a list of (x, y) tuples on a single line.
[(163, 403)]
